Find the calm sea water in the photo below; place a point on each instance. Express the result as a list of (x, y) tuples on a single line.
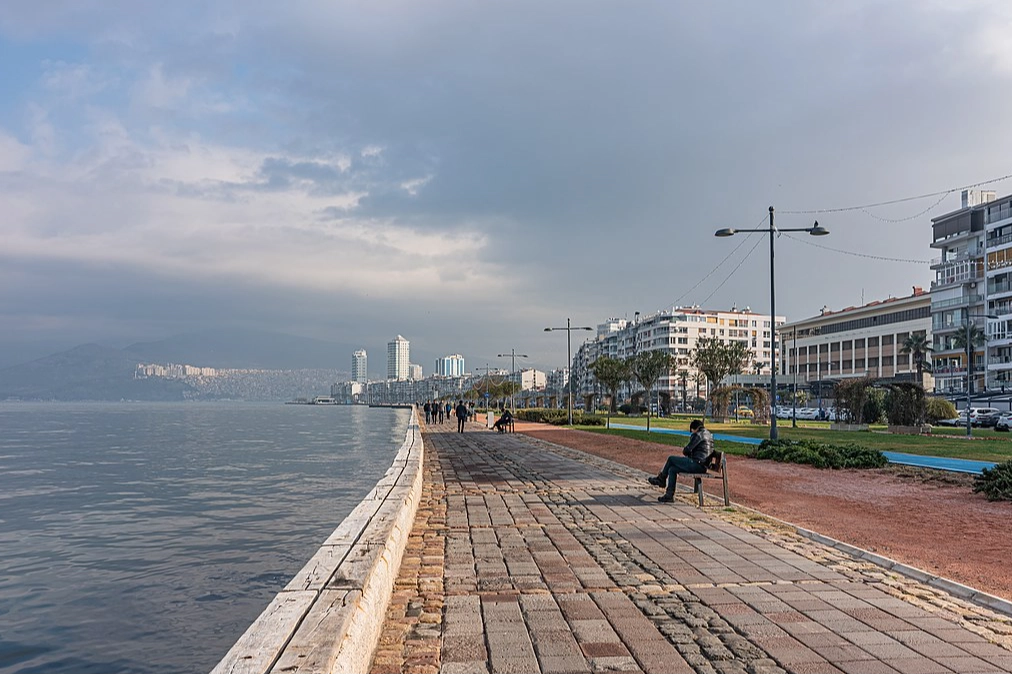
[(146, 537)]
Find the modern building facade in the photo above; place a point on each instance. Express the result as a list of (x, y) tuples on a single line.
[(360, 366), (414, 371), (856, 342), (398, 358), (973, 279), (450, 366), (677, 332)]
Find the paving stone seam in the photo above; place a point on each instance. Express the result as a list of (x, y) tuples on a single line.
[(978, 598)]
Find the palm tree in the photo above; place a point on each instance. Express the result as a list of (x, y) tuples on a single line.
[(646, 367), (959, 341), (917, 345), (611, 373)]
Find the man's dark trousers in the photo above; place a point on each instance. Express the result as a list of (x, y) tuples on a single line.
[(676, 465), (460, 425)]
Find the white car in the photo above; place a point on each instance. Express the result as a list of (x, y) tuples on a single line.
[(1004, 422)]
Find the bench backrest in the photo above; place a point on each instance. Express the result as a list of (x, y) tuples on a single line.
[(715, 461)]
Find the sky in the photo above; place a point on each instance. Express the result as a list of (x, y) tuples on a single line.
[(466, 174)]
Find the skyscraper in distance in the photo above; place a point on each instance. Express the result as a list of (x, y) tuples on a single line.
[(360, 366), (450, 366), (398, 358)]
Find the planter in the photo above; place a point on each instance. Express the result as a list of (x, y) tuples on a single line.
[(915, 431), (841, 426)]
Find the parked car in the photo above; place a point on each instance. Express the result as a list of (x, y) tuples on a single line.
[(744, 411), (1004, 422), (987, 419), (978, 415), (954, 422)]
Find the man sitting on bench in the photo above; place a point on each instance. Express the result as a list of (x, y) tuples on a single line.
[(694, 461), (503, 422)]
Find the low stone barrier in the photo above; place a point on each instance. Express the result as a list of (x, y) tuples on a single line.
[(328, 618)]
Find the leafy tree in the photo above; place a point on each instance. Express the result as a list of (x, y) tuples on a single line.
[(905, 403), (610, 372), (918, 346), (647, 367), (940, 409), (717, 360), (683, 378), (851, 399)]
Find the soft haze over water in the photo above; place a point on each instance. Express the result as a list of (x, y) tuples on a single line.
[(146, 537)]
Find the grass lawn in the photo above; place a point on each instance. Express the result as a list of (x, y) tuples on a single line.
[(988, 445)]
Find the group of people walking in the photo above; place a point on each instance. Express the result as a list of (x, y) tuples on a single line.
[(437, 411)]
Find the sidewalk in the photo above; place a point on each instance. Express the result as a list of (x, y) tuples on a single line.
[(532, 558)]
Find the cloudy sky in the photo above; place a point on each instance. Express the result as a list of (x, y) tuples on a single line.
[(467, 173)]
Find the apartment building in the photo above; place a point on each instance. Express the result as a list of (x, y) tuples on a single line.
[(973, 279), (676, 331), (398, 359), (360, 366), (856, 342)]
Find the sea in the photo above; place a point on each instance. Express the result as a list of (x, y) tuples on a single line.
[(146, 537)]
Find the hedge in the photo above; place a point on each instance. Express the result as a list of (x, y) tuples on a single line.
[(820, 455)]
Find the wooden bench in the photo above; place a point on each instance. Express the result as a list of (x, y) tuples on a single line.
[(716, 463)]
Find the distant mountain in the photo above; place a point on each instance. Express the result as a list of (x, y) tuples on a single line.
[(88, 372), (244, 349)]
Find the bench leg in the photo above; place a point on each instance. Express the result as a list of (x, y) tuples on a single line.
[(727, 494), (699, 490)]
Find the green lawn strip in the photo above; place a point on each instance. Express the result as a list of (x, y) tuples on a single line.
[(987, 446), (666, 439)]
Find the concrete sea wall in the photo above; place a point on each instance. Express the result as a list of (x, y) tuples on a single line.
[(328, 618)]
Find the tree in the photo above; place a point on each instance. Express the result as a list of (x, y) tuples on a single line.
[(647, 367), (611, 373), (683, 377), (917, 346), (717, 360), (959, 341)]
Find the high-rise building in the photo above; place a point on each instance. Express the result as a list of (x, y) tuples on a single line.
[(398, 358), (360, 366), (414, 372), (450, 366)]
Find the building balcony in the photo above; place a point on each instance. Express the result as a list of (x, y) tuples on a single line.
[(956, 279), (975, 254)]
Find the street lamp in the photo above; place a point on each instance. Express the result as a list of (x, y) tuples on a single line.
[(969, 365), (569, 359), (513, 373), (794, 362), (815, 230)]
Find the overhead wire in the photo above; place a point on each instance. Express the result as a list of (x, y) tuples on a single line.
[(860, 207), (728, 277), (859, 255), (720, 264)]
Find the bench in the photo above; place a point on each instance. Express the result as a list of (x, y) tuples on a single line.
[(717, 463), (504, 426)]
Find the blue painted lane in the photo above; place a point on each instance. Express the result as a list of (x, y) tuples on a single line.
[(677, 432), (924, 461), (942, 463)]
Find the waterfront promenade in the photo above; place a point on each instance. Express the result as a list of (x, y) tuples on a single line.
[(529, 557)]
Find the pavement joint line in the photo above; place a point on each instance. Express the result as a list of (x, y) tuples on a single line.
[(954, 588)]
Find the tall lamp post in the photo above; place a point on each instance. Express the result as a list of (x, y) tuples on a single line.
[(969, 366), (513, 372), (794, 362), (815, 230), (569, 359)]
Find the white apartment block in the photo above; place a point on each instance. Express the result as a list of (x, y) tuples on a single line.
[(677, 332), (360, 366), (530, 379), (398, 358), (856, 342), (414, 371), (450, 366), (973, 278)]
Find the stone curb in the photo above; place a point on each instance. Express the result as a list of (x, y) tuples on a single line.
[(329, 617), (954, 588)]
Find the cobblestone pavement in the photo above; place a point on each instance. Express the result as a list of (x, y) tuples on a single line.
[(529, 557)]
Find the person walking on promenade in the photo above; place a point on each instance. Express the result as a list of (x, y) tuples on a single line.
[(428, 412), (461, 411), (449, 409), (439, 409), (696, 452)]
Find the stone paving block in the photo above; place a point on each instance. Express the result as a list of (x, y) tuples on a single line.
[(967, 664), (917, 665), (863, 666), (464, 667), (564, 664), (614, 664)]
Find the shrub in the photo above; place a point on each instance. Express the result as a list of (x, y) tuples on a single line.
[(995, 483), (874, 406), (905, 403), (820, 455), (558, 417), (940, 409), (625, 409)]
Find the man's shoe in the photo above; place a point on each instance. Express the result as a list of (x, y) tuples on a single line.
[(666, 498), (654, 480)]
